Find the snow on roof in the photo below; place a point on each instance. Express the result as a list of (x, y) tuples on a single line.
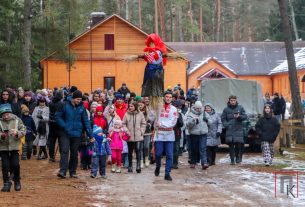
[(299, 60), (205, 61)]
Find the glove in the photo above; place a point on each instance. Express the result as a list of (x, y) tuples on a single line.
[(218, 134), (39, 116), (197, 121), (205, 119)]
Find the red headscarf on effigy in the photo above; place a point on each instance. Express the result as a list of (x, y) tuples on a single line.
[(159, 44)]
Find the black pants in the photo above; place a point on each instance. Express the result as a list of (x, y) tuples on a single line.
[(137, 147), (176, 151), (68, 144), (55, 134), (236, 151), (43, 149), (27, 149), (10, 163), (211, 151)]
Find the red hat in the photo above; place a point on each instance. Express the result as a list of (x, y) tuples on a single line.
[(99, 108)]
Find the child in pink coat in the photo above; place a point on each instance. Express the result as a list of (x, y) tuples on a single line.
[(116, 137)]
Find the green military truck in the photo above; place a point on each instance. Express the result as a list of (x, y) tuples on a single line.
[(249, 95)]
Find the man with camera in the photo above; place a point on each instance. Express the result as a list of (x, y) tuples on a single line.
[(232, 117), (11, 130)]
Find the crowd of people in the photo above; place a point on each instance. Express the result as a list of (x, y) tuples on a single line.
[(110, 126)]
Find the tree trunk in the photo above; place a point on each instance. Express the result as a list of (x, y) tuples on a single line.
[(218, 16), (156, 17), (174, 17), (200, 24), (8, 37), (161, 9), (140, 13), (292, 71), (180, 31), (250, 33), (295, 29), (26, 44), (190, 14)]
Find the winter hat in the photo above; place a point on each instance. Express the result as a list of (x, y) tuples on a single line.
[(94, 104), (77, 94), (119, 96), (73, 89), (138, 98), (99, 108), (28, 93), (5, 108), (177, 103), (97, 129), (118, 122), (24, 109), (20, 89), (198, 104)]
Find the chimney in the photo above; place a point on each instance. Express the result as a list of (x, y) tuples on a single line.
[(96, 17)]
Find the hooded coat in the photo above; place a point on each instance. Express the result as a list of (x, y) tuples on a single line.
[(197, 128), (234, 126), (214, 127), (267, 128), (11, 143)]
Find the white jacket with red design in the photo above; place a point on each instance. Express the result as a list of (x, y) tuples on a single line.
[(167, 119)]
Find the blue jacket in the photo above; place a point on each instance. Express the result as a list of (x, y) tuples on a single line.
[(102, 148), (73, 119)]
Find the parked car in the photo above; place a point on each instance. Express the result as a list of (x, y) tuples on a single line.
[(249, 95)]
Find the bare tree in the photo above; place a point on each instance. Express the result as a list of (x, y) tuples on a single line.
[(190, 14), (218, 18), (26, 44), (161, 10), (292, 71), (156, 17), (140, 13), (200, 24)]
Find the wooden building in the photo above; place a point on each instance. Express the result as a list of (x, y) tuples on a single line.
[(101, 60), (264, 62)]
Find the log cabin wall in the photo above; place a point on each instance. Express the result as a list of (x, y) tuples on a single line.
[(128, 41)]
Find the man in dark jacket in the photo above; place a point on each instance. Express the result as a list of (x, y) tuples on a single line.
[(278, 106), (55, 131), (124, 90), (232, 117), (8, 97), (72, 118)]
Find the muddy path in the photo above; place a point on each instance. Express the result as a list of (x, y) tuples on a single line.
[(220, 185)]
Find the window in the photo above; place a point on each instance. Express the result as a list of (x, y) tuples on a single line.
[(109, 41), (109, 82)]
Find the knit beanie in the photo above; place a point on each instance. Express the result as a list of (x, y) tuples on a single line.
[(77, 94), (198, 104), (138, 98), (118, 122), (99, 108), (28, 93), (73, 89), (24, 109), (97, 129)]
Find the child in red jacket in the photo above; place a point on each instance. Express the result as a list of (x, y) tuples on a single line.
[(100, 120), (116, 137)]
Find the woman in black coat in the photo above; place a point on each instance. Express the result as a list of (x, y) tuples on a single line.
[(267, 128)]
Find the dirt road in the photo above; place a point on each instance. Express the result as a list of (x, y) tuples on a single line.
[(220, 185)]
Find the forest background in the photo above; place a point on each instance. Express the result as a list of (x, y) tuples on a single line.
[(32, 29)]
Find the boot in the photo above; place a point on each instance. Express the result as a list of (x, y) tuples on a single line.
[(113, 168), (6, 187), (138, 169), (130, 170), (17, 185)]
